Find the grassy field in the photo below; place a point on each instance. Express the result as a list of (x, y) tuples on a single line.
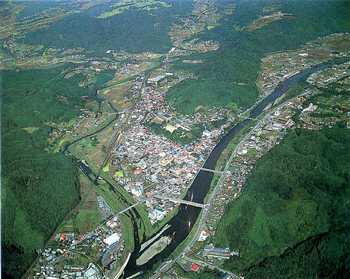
[(116, 202), (179, 135), (93, 149), (86, 216)]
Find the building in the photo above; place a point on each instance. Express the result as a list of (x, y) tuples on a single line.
[(204, 235), (211, 251), (194, 267), (170, 128), (112, 239), (156, 80), (109, 255), (156, 215)]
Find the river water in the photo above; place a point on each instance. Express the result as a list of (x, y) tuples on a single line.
[(182, 223)]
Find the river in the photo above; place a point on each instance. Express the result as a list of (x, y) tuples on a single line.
[(182, 223)]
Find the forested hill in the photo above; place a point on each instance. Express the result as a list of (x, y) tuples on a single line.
[(229, 74), (294, 214), (38, 187)]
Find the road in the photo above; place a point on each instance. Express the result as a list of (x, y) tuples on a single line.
[(128, 208), (203, 217), (180, 201), (93, 133), (118, 134), (204, 214), (212, 195), (121, 270)]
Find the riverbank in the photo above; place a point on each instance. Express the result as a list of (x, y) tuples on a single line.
[(224, 142)]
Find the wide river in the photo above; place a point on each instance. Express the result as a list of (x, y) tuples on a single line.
[(182, 223)]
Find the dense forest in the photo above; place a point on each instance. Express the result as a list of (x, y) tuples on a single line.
[(38, 187), (292, 218), (132, 31)]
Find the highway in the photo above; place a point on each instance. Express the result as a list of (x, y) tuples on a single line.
[(212, 195), (203, 217), (205, 212)]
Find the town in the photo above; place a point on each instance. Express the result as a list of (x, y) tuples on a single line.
[(149, 164), (306, 110), (157, 153), (104, 243), (137, 153)]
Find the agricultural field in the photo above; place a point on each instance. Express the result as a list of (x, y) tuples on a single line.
[(122, 6), (93, 149), (118, 94), (86, 216)]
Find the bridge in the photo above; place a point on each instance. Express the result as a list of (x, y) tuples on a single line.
[(215, 171), (126, 209), (195, 204)]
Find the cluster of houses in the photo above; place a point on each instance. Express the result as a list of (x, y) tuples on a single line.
[(207, 16), (312, 118), (149, 164), (193, 46), (279, 66), (82, 256), (264, 136), (328, 111), (330, 75), (103, 207), (67, 271)]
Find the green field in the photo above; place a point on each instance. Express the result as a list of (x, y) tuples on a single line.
[(86, 216), (179, 135), (294, 203)]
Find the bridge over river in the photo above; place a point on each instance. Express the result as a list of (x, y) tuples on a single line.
[(179, 229)]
